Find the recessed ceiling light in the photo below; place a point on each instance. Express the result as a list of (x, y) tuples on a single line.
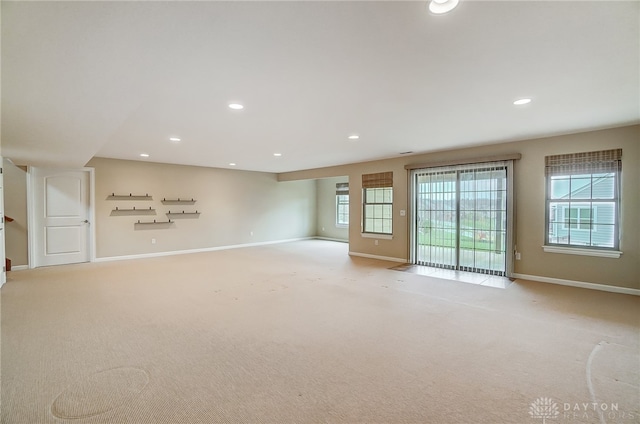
[(353, 137), (235, 106), (439, 7), (232, 164), (520, 102), (277, 154), (144, 155), (174, 139)]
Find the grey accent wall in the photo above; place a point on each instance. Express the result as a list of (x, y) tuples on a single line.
[(326, 200), (233, 205)]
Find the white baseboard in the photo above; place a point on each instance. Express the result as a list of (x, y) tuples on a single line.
[(332, 239), (382, 258), (184, 252), (19, 267), (581, 284)]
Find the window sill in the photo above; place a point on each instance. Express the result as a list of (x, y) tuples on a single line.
[(379, 236), (342, 226), (584, 252)]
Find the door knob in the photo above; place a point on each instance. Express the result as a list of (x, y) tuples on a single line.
[(86, 221)]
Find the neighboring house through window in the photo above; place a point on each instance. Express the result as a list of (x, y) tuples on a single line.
[(342, 205), (377, 199), (579, 218), (583, 200)]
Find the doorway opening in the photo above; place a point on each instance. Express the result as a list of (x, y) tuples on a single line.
[(60, 208), (462, 217)]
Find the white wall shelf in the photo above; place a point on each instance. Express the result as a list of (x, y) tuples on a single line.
[(128, 212), (179, 201), (183, 214), (147, 225), (114, 196), (154, 222)]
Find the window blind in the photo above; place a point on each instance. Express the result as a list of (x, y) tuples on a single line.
[(379, 180), (602, 161), (342, 189)]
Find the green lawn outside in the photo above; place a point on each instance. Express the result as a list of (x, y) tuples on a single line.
[(443, 238)]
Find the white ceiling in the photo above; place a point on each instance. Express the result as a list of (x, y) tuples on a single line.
[(116, 79)]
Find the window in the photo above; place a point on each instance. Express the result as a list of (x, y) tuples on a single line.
[(377, 199), (579, 218), (583, 200), (342, 204)]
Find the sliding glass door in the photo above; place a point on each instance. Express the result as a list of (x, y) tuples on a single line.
[(461, 217), (436, 218)]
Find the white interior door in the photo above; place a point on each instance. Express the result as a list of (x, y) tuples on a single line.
[(61, 212)]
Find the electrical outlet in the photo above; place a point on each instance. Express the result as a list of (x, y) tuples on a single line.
[(322, 228), (403, 212), (375, 242), (251, 233), (153, 241), (518, 256)]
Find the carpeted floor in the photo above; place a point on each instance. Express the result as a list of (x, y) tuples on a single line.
[(302, 333)]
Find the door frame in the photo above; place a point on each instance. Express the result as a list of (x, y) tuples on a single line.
[(31, 213), (510, 248), (3, 237)]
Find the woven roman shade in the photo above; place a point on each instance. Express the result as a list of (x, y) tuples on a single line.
[(584, 163), (342, 189), (379, 180)]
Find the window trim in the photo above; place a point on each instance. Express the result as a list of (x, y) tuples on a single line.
[(584, 251), (381, 236), (381, 180), (342, 189), (364, 208), (338, 204), (606, 161)]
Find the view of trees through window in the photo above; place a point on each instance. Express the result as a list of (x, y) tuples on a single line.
[(462, 218)]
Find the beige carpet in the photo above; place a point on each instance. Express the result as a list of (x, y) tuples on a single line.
[(301, 333)]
